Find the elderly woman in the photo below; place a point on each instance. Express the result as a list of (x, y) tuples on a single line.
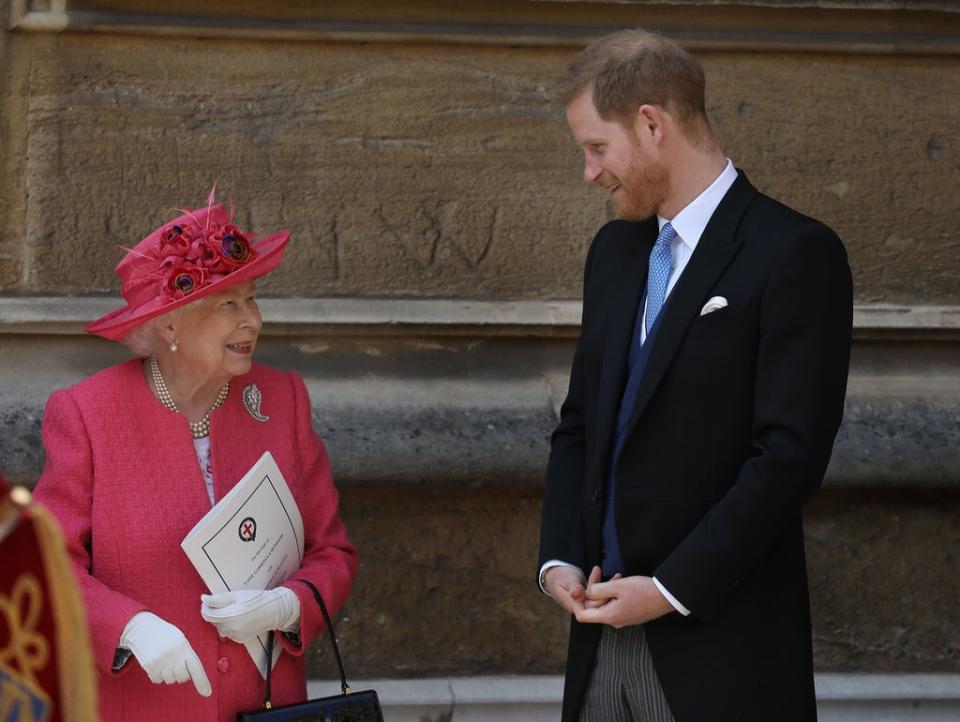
[(138, 453)]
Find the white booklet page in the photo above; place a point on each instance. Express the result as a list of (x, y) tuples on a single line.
[(251, 539)]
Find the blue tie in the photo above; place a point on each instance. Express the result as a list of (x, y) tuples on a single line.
[(658, 274)]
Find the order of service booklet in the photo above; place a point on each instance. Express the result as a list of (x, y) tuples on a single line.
[(251, 539)]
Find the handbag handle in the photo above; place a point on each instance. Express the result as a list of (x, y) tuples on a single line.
[(345, 688)]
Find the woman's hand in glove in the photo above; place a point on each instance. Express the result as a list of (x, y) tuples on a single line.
[(163, 652), (244, 614)]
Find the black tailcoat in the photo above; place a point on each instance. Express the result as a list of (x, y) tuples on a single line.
[(731, 433)]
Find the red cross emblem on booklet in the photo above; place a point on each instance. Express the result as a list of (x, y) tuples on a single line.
[(248, 529)]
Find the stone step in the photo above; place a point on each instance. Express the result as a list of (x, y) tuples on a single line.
[(840, 698)]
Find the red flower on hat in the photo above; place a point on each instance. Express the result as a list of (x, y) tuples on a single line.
[(230, 248), (183, 280), (176, 240)]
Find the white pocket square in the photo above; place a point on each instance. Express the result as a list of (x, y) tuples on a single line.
[(714, 304)]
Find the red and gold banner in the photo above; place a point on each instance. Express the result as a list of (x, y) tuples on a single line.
[(46, 669)]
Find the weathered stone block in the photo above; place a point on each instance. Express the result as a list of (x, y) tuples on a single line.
[(437, 170), (9, 272), (884, 580), (447, 586)]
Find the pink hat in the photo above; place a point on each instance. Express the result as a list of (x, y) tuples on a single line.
[(199, 253)]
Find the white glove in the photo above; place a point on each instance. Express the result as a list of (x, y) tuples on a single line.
[(163, 652), (244, 614)]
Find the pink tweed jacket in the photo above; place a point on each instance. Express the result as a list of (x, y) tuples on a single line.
[(123, 479)]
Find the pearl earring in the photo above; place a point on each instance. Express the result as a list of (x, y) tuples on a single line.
[(174, 347)]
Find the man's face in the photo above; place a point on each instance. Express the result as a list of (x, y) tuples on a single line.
[(625, 163)]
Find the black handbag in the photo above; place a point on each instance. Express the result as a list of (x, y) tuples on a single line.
[(349, 706)]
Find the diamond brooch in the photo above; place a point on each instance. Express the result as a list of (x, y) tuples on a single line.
[(251, 402)]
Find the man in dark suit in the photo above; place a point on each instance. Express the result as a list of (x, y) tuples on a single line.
[(706, 391)]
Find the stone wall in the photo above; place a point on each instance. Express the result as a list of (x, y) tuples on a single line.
[(429, 294), (443, 169)]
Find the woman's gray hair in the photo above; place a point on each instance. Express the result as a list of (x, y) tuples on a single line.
[(145, 340)]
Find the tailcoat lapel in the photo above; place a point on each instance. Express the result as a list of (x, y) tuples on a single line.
[(626, 289), (717, 247)]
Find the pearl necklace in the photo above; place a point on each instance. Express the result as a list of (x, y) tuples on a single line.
[(198, 429)]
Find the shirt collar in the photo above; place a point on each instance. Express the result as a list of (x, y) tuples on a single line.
[(690, 222)]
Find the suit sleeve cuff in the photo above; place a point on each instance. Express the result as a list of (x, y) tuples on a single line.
[(550, 565), (669, 597)]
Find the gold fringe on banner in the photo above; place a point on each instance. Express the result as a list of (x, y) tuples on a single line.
[(76, 672)]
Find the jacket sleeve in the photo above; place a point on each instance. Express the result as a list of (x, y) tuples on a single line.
[(329, 559), (67, 487), (801, 375), (561, 526)]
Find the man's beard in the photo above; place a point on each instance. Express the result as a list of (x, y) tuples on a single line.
[(642, 190)]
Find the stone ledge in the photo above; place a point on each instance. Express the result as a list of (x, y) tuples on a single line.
[(478, 433), (57, 315), (304, 316), (468, 392), (880, 27), (840, 697), (888, 317)]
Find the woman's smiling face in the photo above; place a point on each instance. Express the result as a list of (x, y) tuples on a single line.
[(217, 335)]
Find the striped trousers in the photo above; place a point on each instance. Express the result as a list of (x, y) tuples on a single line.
[(624, 685)]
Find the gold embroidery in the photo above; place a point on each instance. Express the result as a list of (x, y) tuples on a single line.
[(26, 653), (27, 649)]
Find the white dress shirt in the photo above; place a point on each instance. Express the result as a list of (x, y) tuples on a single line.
[(689, 224)]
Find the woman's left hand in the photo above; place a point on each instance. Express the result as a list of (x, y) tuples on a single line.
[(244, 614)]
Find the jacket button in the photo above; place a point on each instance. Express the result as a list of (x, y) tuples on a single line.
[(596, 496), (223, 664)]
